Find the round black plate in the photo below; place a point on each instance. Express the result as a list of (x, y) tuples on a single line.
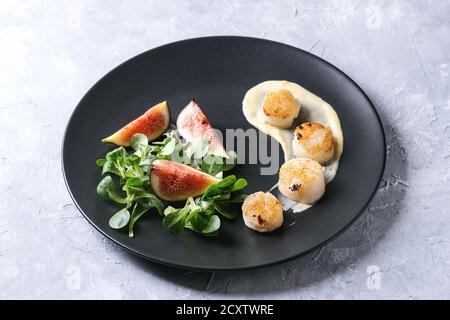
[(217, 71)]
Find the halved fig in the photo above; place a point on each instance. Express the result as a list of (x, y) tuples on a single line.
[(192, 123), (152, 123), (173, 181)]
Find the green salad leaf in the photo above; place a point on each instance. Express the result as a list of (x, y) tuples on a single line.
[(133, 171), (120, 219), (176, 220), (212, 226), (100, 162), (107, 189), (225, 210), (141, 207), (138, 140)]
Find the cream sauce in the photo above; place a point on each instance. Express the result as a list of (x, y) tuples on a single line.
[(313, 109)]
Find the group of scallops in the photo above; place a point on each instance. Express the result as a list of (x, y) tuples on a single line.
[(301, 179)]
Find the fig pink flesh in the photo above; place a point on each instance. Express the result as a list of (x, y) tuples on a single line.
[(192, 123), (152, 123), (174, 181)]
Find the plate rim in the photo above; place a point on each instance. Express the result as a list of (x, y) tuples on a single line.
[(237, 267)]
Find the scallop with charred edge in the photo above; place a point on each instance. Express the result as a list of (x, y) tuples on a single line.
[(302, 180), (313, 141), (262, 212), (279, 108)]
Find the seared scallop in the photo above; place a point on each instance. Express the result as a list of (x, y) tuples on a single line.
[(262, 212), (302, 180), (314, 141), (279, 108)]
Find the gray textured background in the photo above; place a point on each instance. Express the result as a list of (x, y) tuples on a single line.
[(52, 52)]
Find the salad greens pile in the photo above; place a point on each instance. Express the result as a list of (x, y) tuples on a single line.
[(133, 171), (199, 214)]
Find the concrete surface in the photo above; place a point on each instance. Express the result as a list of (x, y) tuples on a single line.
[(52, 52)]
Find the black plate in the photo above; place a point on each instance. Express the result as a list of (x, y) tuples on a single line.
[(217, 71)]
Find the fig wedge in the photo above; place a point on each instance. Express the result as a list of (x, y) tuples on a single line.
[(152, 123), (173, 181), (192, 123)]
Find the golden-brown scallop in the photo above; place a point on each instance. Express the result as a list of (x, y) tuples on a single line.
[(314, 141), (302, 180), (279, 108), (262, 212)]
